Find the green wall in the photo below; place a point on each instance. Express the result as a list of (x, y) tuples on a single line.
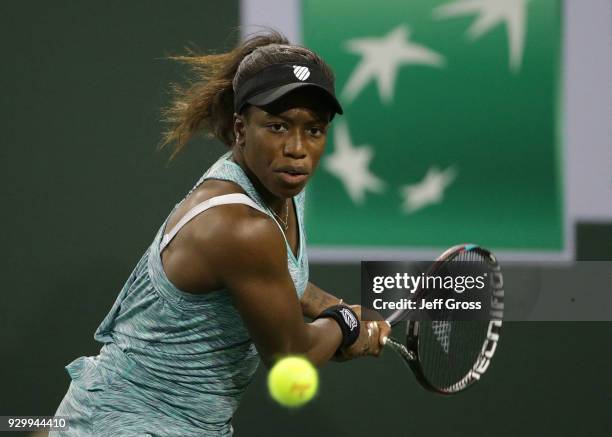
[(85, 191)]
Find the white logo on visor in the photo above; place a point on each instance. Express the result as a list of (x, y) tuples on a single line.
[(302, 73)]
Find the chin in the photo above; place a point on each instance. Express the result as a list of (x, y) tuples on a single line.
[(284, 189), (287, 192)]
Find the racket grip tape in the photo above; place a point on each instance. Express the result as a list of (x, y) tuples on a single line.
[(402, 350)]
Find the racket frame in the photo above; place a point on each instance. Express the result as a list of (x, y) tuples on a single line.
[(410, 350)]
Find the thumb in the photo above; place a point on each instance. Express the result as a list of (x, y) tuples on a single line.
[(385, 330)]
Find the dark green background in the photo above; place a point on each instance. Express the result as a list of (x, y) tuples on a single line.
[(472, 114), (84, 191)]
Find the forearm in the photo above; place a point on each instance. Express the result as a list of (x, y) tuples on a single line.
[(318, 341), (315, 300), (324, 338)]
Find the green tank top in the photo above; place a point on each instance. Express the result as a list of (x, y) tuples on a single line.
[(187, 356)]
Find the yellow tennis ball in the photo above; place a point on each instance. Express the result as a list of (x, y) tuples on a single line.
[(293, 381)]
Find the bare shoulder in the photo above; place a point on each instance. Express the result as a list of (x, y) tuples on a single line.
[(232, 225), (207, 190), (223, 244), (240, 238)]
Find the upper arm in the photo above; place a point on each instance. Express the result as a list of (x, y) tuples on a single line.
[(253, 267)]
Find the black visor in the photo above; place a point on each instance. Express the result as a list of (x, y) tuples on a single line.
[(275, 81)]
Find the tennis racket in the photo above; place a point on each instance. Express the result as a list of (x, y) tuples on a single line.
[(448, 356)]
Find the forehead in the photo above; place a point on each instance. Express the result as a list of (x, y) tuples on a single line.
[(310, 99)]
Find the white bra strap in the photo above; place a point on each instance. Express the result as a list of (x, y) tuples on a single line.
[(226, 199)]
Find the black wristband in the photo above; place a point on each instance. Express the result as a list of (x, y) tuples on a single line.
[(347, 320)]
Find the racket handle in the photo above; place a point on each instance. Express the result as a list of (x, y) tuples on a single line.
[(402, 350)]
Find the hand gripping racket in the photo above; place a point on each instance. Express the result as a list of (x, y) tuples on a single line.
[(448, 356)]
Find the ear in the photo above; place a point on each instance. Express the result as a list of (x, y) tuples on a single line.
[(239, 129)]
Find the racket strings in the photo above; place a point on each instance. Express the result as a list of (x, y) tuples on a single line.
[(449, 348)]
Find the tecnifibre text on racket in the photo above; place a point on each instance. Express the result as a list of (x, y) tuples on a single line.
[(448, 356)]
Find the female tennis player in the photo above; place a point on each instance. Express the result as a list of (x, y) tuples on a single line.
[(225, 281)]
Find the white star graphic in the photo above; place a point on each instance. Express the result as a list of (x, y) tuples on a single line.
[(350, 165), (490, 13), (430, 190), (381, 58)]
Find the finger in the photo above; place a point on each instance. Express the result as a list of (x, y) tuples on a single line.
[(385, 330), (378, 346), (374, 340), (382, 339), (385, 327)]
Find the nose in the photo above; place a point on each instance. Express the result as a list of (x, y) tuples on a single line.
[(295, 147)]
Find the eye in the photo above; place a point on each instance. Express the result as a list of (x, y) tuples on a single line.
[(277, 127), (316, 131)]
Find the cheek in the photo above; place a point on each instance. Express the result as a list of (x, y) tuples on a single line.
[(317, 153), (260, 151), (253, 145)]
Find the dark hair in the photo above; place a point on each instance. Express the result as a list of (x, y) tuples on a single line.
[(206, 103)]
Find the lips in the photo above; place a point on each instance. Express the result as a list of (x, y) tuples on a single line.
[(293, 175)]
